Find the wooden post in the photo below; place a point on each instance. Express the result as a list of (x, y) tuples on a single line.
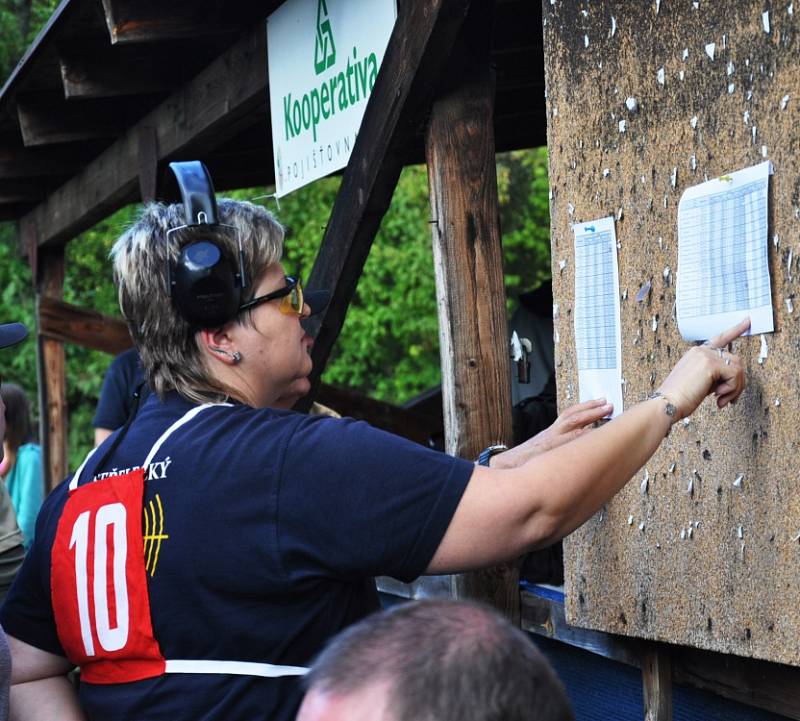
[(657, 683), (469, 273), (51, 368)]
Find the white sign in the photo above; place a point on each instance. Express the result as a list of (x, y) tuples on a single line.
[(323, 59)]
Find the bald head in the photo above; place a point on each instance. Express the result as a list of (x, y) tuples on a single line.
[(433, 661)]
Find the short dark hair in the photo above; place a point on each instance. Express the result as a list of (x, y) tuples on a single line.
[(18, 415), (444, 659)]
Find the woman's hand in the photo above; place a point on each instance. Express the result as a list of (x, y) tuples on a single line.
[(705, 369), (574, 421)]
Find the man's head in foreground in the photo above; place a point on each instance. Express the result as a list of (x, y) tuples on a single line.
[(433, 660)]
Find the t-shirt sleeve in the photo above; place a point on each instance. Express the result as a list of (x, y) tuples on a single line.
[(27, 613), (355, 501), (119, 384)]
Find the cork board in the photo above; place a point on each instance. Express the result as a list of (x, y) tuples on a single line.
[(732, 583)]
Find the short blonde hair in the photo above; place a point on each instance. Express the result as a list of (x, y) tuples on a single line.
[(167, 343)]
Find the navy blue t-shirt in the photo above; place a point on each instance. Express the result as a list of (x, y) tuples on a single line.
[(123, 377), (274, 524)]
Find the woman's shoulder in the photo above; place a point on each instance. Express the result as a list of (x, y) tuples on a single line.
[(29, 451)]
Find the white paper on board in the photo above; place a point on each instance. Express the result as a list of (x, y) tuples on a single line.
[(723, 273), (598, 339)]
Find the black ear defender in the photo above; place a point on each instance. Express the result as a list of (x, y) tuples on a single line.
[(204, 284)]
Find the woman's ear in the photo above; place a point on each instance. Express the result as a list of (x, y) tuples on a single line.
[(218, 343)]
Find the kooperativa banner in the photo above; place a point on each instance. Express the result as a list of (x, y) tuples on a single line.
[(323, 59)]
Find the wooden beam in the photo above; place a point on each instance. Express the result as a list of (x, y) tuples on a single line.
[(38, 162), (50, 120), (468, 260), (87, 328), (137, 21), (414, 426), (148, 163), (52, 378), (202, 114), (657, 683), (109, 74), (420, 44)]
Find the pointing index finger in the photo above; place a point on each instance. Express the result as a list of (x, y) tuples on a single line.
[(722, 339)]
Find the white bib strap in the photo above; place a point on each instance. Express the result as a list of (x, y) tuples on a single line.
[(238, 668), (73, 484), (174, 427)]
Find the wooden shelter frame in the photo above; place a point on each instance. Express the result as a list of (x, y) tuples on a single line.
[(435, 90)]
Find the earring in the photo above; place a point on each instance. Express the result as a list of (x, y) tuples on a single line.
[(235, 356)]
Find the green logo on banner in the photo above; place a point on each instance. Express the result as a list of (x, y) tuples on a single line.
[(324, 48)]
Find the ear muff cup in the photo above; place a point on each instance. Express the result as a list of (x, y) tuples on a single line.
[(204, 283), (205, 289)]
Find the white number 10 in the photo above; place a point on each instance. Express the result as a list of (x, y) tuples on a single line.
[(114, 515)]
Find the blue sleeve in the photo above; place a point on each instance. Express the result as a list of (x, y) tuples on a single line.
[(30, 489), (114, 404), (355, 501), (27, 613)]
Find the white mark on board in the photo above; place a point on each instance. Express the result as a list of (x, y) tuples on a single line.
[(693, 162), (776, 240), (630, 520), (754, 132), (613, 26), (683, 534), (731, 88), (710, 49), (690, 487), (674, 177), (789, 306), (658, 6), (695, 4), (784, 102), (660, 76), (622, 126), (606, 172), (666, 273), (737, 482), (641, 526), (693, 122), (730, 68), (777, 402), (672, 467), (765, 20), (562, 264), (645, 482), (570, 208), (681, 74), (586, 41), (556, 313), (790, 9), (685, 54), (746, 117), (619, 216), (690, 531), (763, 353), (740, 532), (632, 104), (764, 151)]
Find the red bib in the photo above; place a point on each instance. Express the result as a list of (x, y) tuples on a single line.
[(98, 582)]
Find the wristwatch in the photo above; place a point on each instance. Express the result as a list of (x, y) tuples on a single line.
[(489, 451)]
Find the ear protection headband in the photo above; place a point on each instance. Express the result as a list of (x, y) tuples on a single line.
[(204, 284)]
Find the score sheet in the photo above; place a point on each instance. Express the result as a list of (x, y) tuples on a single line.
[(723, 274), (597, 325)]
